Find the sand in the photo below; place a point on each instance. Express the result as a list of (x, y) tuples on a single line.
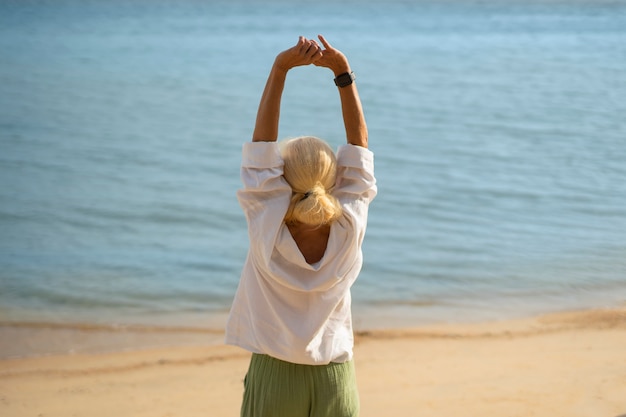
[(568, 364)]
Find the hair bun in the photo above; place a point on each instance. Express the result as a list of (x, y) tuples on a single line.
[(310, 168), (315, 207), (317, 190)]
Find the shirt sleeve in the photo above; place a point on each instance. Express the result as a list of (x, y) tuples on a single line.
[(356, 183), (355, 188), (265, 195)]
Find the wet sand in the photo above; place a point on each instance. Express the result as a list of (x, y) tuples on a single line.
[(567, 364)]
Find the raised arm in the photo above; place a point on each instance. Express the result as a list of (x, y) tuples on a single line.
[(353, 118), (305, 52)]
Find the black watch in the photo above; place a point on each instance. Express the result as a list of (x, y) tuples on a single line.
[(345, 79)]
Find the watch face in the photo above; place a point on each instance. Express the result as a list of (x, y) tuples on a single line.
[(344, 79)]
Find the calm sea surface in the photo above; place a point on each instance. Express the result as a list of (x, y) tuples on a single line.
[(499, 130)]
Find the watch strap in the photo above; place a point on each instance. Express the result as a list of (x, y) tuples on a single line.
[(345, 79)]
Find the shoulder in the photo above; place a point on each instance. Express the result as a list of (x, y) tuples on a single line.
[(355, 156), (351, 154), (260, 155)]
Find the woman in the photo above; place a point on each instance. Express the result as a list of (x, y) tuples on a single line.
[(307, 212)]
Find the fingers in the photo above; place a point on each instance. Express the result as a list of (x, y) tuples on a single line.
[(309, 49), (311, 45), (324, 42), (314, 49), (305, 52), (302, 45)]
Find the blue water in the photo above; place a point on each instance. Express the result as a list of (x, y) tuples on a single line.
[(499, 130)]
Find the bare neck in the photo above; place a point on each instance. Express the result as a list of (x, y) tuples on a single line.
[(311, 240)]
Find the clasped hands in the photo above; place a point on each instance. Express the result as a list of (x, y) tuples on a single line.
[(308, 51)]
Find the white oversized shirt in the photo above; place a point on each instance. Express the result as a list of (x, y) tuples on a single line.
[(285, 307)]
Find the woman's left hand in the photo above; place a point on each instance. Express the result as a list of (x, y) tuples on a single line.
[(305, 52)]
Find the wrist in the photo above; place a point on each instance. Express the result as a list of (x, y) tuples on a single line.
[(341, 70), (280, 65), (341, 65), (279, 69)]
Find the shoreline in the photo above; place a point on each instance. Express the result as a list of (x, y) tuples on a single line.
[(569, 363), (35, 338)]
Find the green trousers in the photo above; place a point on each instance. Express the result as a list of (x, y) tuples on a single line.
[(275, 388)]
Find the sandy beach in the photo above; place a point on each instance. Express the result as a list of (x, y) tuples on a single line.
[(567, 364)]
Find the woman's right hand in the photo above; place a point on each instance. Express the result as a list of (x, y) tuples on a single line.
[(306, 51), (332, 58)]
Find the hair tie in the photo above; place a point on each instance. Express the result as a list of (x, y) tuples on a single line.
[(306, 195)]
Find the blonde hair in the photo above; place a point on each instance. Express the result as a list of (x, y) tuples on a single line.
[(311, 171)]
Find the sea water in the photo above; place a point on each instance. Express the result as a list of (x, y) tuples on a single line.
[(499, 129)]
